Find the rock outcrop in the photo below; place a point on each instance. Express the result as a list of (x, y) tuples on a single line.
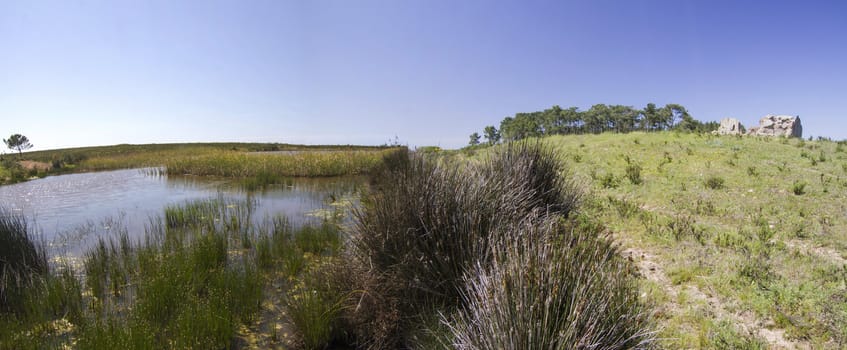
[(730, 126), (778, 125)]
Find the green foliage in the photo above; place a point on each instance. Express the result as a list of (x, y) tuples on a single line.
[(609, 180), (724, 336), (633, 171), (474, 139), (492, 135), (600, 118), (799, 188), (715, 182), (18, 142)]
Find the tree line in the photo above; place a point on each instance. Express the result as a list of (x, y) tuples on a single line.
[(597, 119)]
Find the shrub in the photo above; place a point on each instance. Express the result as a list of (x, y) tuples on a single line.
[(551, 285), (715, 182), (799, 188), (609, 180), (426, 222), (633, 171), (752, 171)]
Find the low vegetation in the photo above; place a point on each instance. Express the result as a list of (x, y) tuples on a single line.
[(682, 240), (441, 239), (258, 164), (740, 239), (197, 280)]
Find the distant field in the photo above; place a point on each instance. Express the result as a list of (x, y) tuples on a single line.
[(742, 241), (220, 159)]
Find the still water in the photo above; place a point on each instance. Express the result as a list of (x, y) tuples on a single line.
[(69, 212)]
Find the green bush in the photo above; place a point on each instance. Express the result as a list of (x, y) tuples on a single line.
[(609, 180), (715, 182), (633, 172), (799, 188)]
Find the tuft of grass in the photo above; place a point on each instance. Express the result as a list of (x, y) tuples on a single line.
[(609, 180), (542, 290), (714, 182), (799, 188), (315, 307), (426, 222), (633, 171), (23, 261)]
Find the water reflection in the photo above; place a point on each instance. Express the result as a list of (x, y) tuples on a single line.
[(70, 211)]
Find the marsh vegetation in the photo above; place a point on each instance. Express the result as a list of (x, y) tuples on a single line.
[(682, 240)]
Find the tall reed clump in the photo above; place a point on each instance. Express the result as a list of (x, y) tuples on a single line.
[(35, 303), (551, 284), (427, 225), (23, 261)]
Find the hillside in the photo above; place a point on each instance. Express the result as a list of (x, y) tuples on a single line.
[(741, 241)]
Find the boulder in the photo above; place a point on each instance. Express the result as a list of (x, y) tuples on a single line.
[(778, 125), (730, 126)]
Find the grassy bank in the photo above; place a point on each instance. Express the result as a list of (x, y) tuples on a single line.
[(741, 241)]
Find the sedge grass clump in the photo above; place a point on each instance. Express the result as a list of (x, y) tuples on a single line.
[(426, 222), (633, 171), (799, 188), (23, 261), (315, 304), (551, 285), (714, 182)]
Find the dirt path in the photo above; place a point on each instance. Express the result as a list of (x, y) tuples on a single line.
[(744, 321), (825, 253)]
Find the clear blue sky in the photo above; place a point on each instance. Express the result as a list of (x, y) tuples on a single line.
[(77, 72)]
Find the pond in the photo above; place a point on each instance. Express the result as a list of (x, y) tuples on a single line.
[(70, 212)]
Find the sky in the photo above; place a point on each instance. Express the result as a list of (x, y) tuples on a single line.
[(424, 72)]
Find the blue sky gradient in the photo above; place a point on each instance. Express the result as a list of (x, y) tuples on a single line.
[(77, 73)]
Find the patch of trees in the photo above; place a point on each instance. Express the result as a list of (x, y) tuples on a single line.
[(598, 119)]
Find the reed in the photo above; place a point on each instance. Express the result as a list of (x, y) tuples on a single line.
[(267, 168), (23, 261)]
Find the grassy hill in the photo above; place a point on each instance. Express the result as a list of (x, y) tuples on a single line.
[(742, 241)]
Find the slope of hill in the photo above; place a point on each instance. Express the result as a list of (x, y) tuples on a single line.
[(742, 241)]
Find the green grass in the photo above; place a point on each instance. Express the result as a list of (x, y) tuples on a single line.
[(751, 222), (192, 282), (260, 164)]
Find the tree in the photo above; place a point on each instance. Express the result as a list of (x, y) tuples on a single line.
[(18, 142), (474, 139), (491, 134)]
